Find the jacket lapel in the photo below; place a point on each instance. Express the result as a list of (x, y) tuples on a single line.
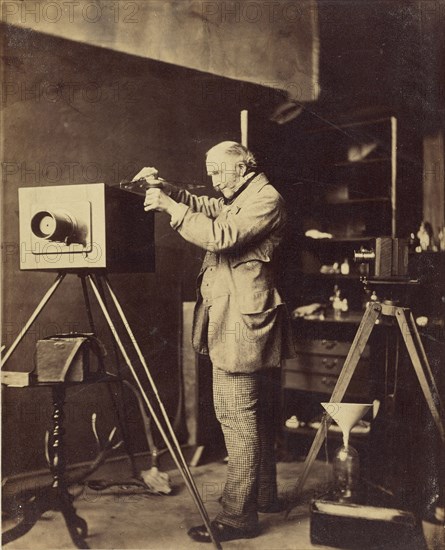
[(252, 189)]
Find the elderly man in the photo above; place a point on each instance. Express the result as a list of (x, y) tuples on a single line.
[(240, 321)]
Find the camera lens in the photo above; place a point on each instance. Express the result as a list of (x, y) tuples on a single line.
[(47, 225), (53, 226), (364, 255)]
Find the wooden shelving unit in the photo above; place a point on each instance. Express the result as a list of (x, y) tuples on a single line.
[(354, 200)]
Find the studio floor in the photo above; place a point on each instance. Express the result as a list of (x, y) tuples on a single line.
[(119, 518), (122, 517)]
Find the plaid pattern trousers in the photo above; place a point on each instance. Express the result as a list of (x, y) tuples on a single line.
[(246, 406)]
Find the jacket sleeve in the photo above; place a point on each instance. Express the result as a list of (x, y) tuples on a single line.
[(264, 213), (209, 206)]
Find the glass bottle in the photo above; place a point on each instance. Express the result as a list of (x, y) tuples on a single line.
[(346, 466)]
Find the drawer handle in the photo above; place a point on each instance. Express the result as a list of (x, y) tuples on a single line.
[(329, 344), (329, 364), (328, 382)]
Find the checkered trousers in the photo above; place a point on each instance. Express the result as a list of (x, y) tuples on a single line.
[(246, 405)]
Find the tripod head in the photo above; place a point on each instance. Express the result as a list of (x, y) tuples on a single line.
[(390, 291)]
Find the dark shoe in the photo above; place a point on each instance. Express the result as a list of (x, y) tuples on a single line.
[(280, 505), (221, 532)]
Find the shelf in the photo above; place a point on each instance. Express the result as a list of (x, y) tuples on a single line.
[(336, 276), (363, 161), (340, 240), (340, 125), (304, 430), (352, 202), (351, 317), (356, 190)]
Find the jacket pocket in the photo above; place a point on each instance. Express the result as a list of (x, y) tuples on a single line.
[(259, 312), (259, 302), (250, 257)]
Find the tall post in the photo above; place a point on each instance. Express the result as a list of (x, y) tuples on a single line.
[(244, 127)]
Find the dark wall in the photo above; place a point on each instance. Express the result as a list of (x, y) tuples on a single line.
[(377, 59), (76, 114)]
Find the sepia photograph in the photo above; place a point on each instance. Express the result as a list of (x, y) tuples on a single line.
[(222, 274)]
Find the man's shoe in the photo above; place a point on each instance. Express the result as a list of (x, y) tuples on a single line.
[(221, 532), (279, 505)]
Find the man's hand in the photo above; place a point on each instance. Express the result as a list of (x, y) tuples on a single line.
[(156, 199), (150, 175)]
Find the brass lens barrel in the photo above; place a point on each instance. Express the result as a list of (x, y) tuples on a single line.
[(364, 255), (52, 226)]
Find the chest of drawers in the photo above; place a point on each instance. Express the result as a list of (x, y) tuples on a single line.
[(318, 364)]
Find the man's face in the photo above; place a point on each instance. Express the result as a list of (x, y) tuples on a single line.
[(226, 172)]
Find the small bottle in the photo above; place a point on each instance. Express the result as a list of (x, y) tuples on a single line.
[(346, 466), (441, 238), (332, 297), (336, 304), (344, 268), (366, 298), (372, 300)]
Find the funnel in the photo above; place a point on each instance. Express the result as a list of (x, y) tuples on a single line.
[(346, 415)]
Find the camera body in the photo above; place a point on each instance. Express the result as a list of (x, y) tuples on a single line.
[(85, 226), (388, 258)]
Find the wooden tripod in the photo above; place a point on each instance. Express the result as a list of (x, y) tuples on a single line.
[(77, 526), (419, 362)]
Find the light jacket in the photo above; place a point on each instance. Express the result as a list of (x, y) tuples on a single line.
[(247, 327)]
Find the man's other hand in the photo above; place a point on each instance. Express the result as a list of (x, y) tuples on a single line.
[(156, 199)]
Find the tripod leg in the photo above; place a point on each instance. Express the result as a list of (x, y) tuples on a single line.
[(33, 317), (422, 353), (122, 416), (146, 421), (86, 299), (421, 366), (32, 511), (184, 471), (150, 379), (358, 345), (180, 456)]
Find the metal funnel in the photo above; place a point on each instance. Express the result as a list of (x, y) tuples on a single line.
[(346, 415)]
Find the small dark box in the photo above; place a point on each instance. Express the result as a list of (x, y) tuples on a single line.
[(62, 359), (357, 526)]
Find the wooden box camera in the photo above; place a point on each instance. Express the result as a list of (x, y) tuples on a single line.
[(85, 226), (389, 258)]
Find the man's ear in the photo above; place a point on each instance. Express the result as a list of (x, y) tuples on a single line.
[(242, 168)]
